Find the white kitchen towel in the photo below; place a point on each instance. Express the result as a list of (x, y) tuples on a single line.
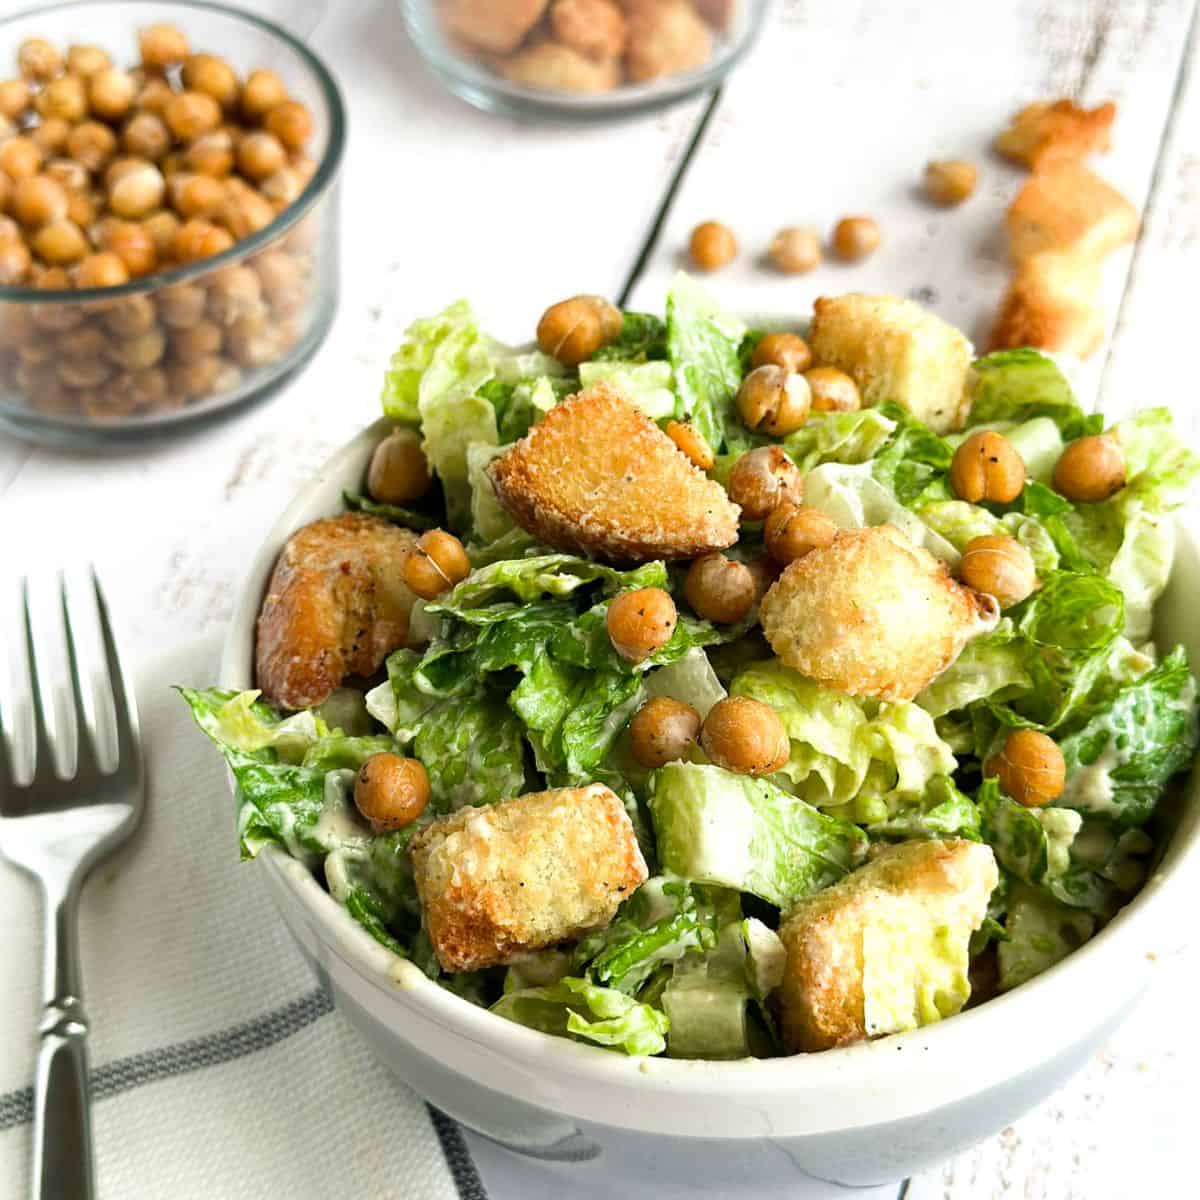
[(218, 1068)]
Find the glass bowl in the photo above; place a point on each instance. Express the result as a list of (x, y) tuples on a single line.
[(558, 59), (101, 367)]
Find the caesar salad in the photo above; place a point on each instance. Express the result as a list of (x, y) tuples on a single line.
[(686, 688)]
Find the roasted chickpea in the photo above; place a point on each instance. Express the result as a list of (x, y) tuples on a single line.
[(132, 243), (662, 731), (83, 372), (282, 278), (101, 270), (260, 154), (138, 191), (140, 351), (148, 388), (15, 98), (761, 478), (390, 792), (712, 246), (86, 61), (792, 530), (154, 96), (795, 250), (199, 238), (15, 262), (774, 400), (6, 195), (746, 736), (949, 181), (51, 135), (243, 214), (129, 316), (146, 134), (435, 564), (162, 45), (65, 98), (212, 75), (786, 350), (689, 440), (211, 154), (181, 305), (162, 227), (573, 330), (986, 467), (291, 123), (196, 342), (71, 174), (641, 622), (84, 341), (999, 566), (832, 390), (38, 59), (1090, 469), (282, 188), (234, 292), (92, 145), (111, 93), (398, 473), (37, 200), (19, 157), (196, 195), (196, 379), (119, 167), (263, 91), (60, 243), (720, 589), (764, 570), (1030, 768), (854, 238), (191, 114), (252, 342)]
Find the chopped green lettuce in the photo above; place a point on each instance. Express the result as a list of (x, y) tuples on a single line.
[(409, 518), (990, 667), (914, 464), (489, 519), (1018, 385), (647, 384), (840, 437), (643, 336), (589, 1013), (703, 348), (1040, 931), (738, 832), (690, 679)]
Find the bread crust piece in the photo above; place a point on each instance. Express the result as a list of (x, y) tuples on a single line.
[(1049, 132), (822, 1000), (596, 476), (495, 26), (1069, 209), (895, 350), (872, 614), (523, 874), (335, 606), (1052, 303)]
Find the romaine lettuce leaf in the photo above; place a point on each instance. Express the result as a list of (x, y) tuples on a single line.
[(647, 384), (1119, 763), (958, 522), (735, 831), (489, 519), (1040, 932), (703, 349), (409, 518), (913, 466), (990, 667), (841, 437), (690, 679), (1018, 385), (580, 1009), (943, 811), (643, 336)]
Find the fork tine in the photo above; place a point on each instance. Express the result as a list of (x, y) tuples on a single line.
[(43, 758), (124, 706), (85, 714), (7, 778)]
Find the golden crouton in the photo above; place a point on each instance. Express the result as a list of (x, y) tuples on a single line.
[(895, 350), (1069, 209), (494, 26), (561, 68), (497, 881), (872, 614), (597, 476), (1046, 133), (335, 606), (1052, 303), (593, 27), (885, 949), (664, 38)]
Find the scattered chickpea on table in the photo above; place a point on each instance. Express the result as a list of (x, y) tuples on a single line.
[(111, 175)]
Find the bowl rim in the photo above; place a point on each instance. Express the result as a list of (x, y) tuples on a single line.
[(326, 172), (1114, 964)]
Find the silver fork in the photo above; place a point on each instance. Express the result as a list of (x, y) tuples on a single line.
[(58, 829)]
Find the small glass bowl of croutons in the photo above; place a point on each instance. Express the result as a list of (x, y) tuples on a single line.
[(581, 59), (168, 216)]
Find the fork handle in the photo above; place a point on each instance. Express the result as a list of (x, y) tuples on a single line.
[(62, 1134), (62, 1126)]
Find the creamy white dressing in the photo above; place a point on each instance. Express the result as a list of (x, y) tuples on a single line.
[(338, 823)]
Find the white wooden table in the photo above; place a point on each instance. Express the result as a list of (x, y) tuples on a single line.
[(836, 111)]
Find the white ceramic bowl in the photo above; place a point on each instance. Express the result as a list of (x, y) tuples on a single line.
[(867, 1114)]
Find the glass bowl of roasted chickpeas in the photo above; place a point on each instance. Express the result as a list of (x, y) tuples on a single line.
[(168, 216), (581, 59)]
